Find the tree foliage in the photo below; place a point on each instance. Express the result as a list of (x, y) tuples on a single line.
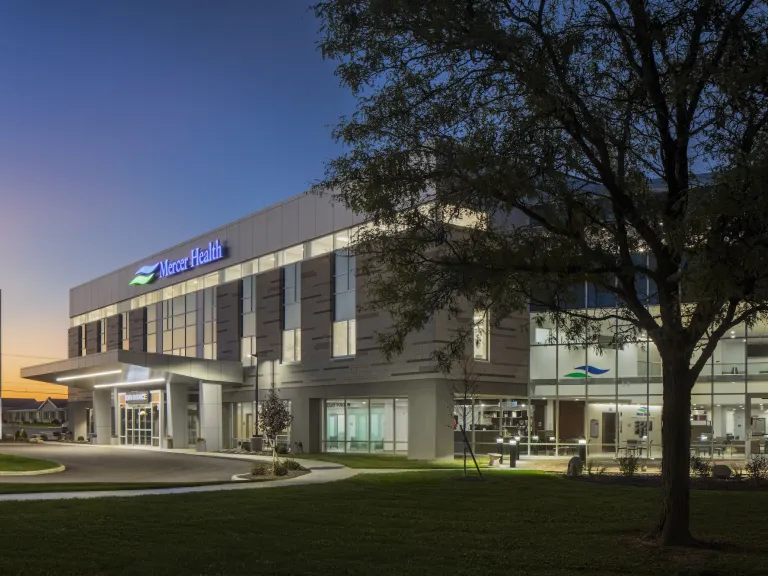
[(610, 142), (275, 416)]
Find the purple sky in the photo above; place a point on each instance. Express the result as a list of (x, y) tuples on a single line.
[(128, 126)]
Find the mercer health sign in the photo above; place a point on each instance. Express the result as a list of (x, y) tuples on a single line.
[(165, 268)]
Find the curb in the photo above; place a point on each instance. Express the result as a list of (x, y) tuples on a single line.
[(35, 472), (315, 478)]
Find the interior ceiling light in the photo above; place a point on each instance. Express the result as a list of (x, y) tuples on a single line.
[(133, 383), (83, 376)]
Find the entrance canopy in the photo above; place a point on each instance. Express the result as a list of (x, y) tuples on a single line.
[(129, 368)]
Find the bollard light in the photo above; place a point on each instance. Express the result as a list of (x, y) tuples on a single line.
[(513, 454), (583, 450), (500, 442)]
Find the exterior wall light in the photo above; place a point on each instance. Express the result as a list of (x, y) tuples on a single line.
[(83, 376)]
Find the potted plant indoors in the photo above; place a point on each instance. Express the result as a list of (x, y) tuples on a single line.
[(169, 442), (200, 446)]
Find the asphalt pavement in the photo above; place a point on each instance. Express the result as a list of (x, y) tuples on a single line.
[(87, 463)]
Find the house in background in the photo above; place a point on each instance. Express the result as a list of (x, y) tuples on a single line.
[(31, 411)]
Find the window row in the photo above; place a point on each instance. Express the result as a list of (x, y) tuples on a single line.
[(365, 425), (338, 240)]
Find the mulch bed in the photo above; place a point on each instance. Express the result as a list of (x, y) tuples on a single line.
[(291, 474), (654, 481)]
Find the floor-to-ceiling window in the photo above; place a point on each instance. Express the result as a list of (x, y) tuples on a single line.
[(180, 325), (370, 425), (610, 393)]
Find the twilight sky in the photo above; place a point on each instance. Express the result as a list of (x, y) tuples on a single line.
[(131, 125)]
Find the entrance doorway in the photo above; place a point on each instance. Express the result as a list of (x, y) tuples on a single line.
[(609, 432), (141, 418), (142, 425)]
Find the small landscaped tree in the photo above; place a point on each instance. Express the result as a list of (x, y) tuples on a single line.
[(463, 384), (275, 417), (618, 144)]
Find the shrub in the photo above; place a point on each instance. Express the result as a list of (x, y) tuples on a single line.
[(261, 469), (44, 437), (292, 465), (738, 472), (280, 469), (21, 434), (594, 469), (629, 465), (57, 434), (282, 449), (36, 440), (80, 439), (700, 467), (757, 468), (56, 422)]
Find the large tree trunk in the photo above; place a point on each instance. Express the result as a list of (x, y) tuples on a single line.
[(673, 528)]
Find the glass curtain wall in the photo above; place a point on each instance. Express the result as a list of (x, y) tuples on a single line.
[(248, 321), (369, 425), (180, 325), (239, 423), (209, 323), (291, 313), (613, 397), (344, 309)]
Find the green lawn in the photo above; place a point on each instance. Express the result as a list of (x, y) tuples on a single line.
[(22, 488), (13, 463), (384, 461), (410, 523)]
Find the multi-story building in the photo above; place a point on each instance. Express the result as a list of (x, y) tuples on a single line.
[(184, 344)]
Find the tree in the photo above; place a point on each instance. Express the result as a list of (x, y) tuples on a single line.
[(464, 385), (565, 137), (275, 418)]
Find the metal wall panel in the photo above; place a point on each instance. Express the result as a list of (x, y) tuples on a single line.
[(289, 230), (93, 337), (75, 342), (137, 330), (229, 307), (115, 332), (268, 329)]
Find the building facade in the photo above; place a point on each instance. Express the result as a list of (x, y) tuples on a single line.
[(183, 345), (31, 411)]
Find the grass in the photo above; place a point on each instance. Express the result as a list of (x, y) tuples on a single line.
[(384, 524), (382, 461), (13, 463)]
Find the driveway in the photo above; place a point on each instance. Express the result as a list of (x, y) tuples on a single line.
[(110, 464)]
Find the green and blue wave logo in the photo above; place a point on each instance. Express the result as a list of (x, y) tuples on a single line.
[(145, 275), (585, 371)]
